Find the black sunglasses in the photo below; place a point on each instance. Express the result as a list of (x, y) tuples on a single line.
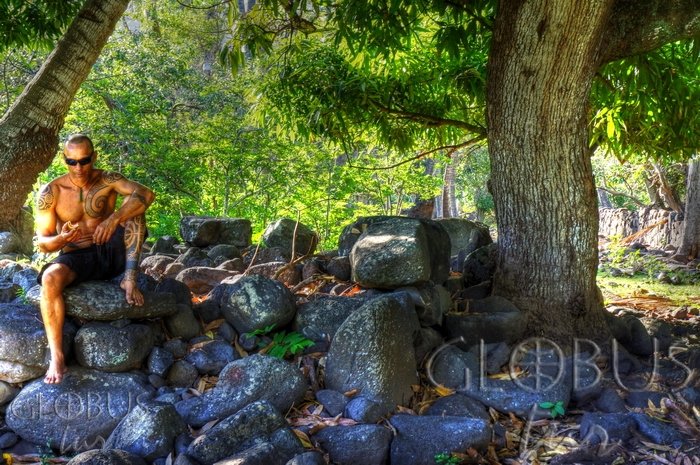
[(83, 161)]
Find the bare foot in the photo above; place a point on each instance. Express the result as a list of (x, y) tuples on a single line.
[(54, 375), (132, 292)]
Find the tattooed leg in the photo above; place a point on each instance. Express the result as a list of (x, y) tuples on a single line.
[(134, 235)]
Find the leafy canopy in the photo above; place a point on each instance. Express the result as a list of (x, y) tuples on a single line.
[(34, 23)]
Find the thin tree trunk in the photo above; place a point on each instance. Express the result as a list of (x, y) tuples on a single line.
[(665, 190), (29, 129), (690, 244), (449, 199), (603, 199), (541, 65)]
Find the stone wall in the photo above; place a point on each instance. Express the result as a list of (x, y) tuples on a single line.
[(622, 222)]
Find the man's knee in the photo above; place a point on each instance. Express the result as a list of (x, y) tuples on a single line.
[(55, 277)]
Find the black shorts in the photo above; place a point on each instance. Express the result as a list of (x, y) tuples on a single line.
[(95, 262)]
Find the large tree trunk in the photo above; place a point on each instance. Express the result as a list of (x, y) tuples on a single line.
[(690, 244), (29, 129), (541, 65)]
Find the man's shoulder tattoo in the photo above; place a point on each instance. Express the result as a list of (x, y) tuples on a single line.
[(46, 198), (110, 177)]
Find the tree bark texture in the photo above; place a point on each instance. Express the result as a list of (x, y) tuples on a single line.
[(690, 244), (29, 129), (543, 58)]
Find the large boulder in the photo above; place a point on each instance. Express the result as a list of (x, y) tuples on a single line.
[(400, 252), (255, 302), (493, 319), (106, 457), (80, 412), (373, 352), (258, 377), (480, 265), (105, 301), (203, 231), (465, 236), (351, 233), (24, 354), (419, 438), (194, 256), (320, 318), (256, 423), (290, 235), (148, 431), (350, 445), (114, 348)]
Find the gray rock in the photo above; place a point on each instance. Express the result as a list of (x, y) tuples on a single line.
[(465, 236), (253, 424), (183, 324), (235, 264), (610, 401), (159, 361), (8, 268), (401, 252), (24, 353), (359, 444), (454, 368), (225, 251), (8, 440), (105, 301), (320, 318), (340, 268), (641, 399), (256, 302), (458, 405), (176, 346), (226, 332), (202, 279), (427, 340), (431, 302), (352, 232), (164, 244), (173, 269), (155, 265), (599, 428), (8, 291), (80, 412), (7, 393), (291, 276), (202, 231), (26, 278), (257, 377), (208, 310), (148, 431), (106, 457), (493, 319), (373, 352), (657, 431), (364, 410), (307, 458), (211, 357), (262, 453), (194, 256), (333, 401), (479, 265), (9, 243), (182, 374), (256, 256), (107, 347), (636, 339), (419, 438), (282, 232)]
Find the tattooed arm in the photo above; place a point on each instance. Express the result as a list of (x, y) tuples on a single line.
[(48, 238), (134, 235), (137, 199)]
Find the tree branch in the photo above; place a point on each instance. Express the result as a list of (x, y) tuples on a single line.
[(641, 26), (430, 120), (622, 194), (450, 149)]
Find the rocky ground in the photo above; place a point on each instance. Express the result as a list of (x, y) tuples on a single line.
[(274, 355)]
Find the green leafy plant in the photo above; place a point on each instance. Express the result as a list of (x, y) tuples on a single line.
[(21, 294), (555, 408), (445, 458), (283, 344)]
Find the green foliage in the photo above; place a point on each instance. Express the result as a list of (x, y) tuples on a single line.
[(555, 408), (36, 23), (646, 104), (446, 458), (283, 344), (286, 344), (21, 294)]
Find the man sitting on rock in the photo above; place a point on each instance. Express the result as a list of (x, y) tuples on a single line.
[(76, 215)]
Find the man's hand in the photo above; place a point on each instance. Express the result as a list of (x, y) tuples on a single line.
[(103, 232), (70, 232)]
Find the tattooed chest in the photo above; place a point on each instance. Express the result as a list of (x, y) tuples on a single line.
[(100, 200)]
